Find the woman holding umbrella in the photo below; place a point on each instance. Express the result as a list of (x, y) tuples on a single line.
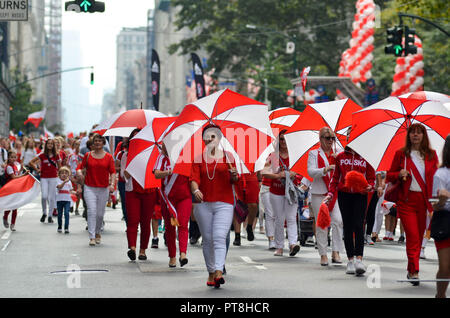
[(212, 180), (176, 190), (321, 163), (277, 170), (414, 167)]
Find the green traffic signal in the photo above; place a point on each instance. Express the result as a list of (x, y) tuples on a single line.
[(92, 78), (394, 38), (85, 5)]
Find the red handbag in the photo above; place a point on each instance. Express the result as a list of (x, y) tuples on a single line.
[(392, 192)]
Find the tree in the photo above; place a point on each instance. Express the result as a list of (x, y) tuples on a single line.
[(21, 105), (321, 30)]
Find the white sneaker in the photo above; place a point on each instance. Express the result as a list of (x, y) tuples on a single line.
[(350, 268), (13, 227), (360, 268), (369, 240), (422, 253)]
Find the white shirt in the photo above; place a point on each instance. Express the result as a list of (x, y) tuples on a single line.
[(63, 194), (29, 154), (318, 186), (441, 180)]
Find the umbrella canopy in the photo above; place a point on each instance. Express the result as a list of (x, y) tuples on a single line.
[(303, 136), (123, 123), (379, 130), (427, 95), (282, 118), (143, 151), (244, 123)]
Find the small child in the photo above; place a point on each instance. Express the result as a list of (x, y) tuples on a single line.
[(13, 169), (63, 191)]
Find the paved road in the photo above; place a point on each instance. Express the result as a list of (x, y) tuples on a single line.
[(33, 257)]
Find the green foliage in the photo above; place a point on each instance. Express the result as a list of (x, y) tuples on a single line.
[(21, 106), (321, 30)]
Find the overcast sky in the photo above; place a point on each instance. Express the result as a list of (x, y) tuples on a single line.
[(98, 38)]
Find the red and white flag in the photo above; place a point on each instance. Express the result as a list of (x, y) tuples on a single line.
[(35, 118), (48, 133), (304, 77), (19, 192)]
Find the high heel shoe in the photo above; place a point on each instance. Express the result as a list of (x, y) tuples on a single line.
[(183, 261), (414, 283), (218, 281)]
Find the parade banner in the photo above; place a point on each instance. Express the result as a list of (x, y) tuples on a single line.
[(198, 75), (155, 79)]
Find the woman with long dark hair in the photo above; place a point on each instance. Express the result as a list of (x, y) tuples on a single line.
[(50, 163), (414, 166), (441, 191)]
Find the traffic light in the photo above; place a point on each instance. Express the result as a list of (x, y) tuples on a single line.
[(85, 6), (410, 48), (395, 39), (92, 78)]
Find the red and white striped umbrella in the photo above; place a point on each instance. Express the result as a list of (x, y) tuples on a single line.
[(379, 130), (123, 123), (282, 118), (303, 136), (143, 150), (244, 123), (427, 95)]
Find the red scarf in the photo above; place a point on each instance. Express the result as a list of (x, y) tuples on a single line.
[(326, 178)]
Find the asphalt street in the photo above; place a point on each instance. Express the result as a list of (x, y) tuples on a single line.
[(38, 262)]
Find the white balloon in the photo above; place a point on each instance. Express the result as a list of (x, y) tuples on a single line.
[(398, 68), (420, 64), (369, 74), (395, 86), (355, 25), (419, 81), (352, 42), (413, 87), (420, 51)]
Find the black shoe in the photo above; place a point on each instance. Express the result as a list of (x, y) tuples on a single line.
[(142, 257), (224, 270), (43, 218), (401, 239), (132, 255), (155, 242), (71, 209), (50, 220), (414, 283), (193, 240), (237, 240), (183, 261), (250, 235)]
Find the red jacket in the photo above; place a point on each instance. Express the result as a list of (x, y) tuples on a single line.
[(398, 163), (347, 161)]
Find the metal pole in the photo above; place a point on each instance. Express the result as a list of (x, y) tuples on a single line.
[(423, 19)]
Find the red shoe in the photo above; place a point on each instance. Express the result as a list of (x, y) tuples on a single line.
[(391, 239), (211, 284), (385, 238)]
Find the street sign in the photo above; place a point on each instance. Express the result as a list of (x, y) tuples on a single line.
[(13, 10)]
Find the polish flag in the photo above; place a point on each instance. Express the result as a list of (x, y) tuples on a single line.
[(35, 118), (48, 133), (19, 192)]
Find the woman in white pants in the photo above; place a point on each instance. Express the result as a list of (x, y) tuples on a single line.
[(276, 167), (48, 169), (99, 172), (211, 184), (320, 167), (267, 211)]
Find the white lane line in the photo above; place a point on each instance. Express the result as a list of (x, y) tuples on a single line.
[(21, 213), (6, 235), (248, 260), (6, 245)]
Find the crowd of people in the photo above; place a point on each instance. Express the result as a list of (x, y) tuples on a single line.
[(85, 170)]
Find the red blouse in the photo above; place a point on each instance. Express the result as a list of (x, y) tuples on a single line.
[(97, 170)]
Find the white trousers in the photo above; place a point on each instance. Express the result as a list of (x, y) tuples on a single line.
[(284, 212), (379, 216), (214, 220), (96, 199), (337, 227), (264, 198), (48, 191)]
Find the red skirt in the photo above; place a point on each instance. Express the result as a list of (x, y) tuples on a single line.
[(442, 244)]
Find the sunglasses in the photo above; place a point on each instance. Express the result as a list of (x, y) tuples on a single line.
[(329, 138)]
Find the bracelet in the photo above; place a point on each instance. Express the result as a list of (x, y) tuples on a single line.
[(198, 190)]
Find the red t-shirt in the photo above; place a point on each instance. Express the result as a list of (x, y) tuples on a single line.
[(179, 184), (97, 170), (12, 170), (49, 168), (213, 179), (277, 187)]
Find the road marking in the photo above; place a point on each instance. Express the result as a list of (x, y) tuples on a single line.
[(21, 213), (6, 245), (6, 235), (248, 260)]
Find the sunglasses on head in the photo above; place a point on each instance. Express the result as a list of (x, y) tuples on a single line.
[(329, 138)]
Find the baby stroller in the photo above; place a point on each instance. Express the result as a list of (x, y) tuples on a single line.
[(305, 226)]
